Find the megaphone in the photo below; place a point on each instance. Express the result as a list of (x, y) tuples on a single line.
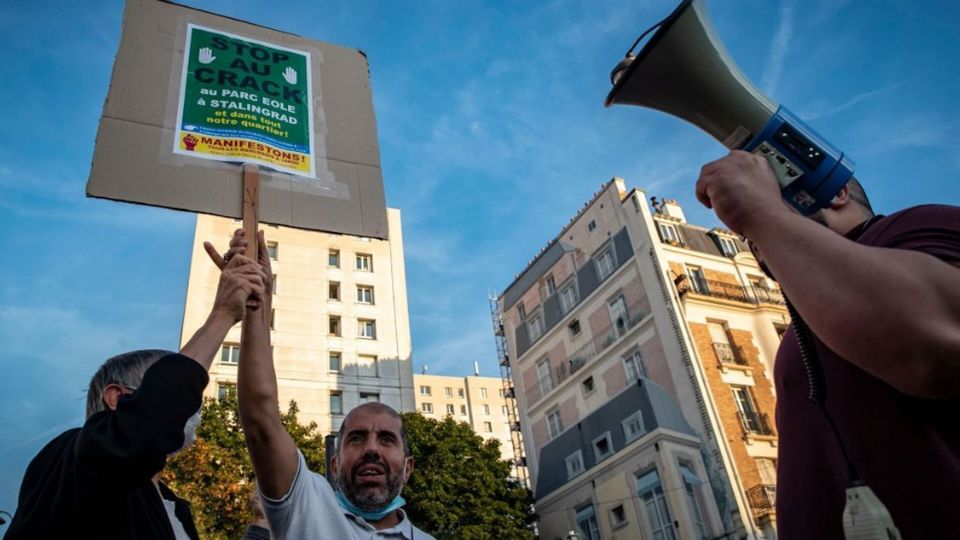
[(684, 70)]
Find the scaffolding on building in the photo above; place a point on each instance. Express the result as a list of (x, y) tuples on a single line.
[(510, 399)]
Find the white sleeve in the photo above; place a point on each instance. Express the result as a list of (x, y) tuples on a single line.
[(308, 511)]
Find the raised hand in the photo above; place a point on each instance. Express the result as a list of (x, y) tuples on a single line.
[(206, 55), (238, 246), (240, 281), (290, 75)]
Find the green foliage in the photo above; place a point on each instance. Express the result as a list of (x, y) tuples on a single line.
[(215, 474), (460, 487)]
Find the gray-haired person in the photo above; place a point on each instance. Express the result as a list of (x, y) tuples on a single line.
[(101, 480)]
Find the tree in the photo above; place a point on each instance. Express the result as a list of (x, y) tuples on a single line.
[(215, 474), (460, 487)]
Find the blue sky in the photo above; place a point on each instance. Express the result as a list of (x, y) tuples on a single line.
[(492, 135)]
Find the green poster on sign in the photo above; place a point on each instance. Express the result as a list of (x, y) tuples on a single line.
[(245, 100)]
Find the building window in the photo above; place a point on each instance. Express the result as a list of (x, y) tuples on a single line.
[(364, 262), (226, 390), (365, 294), (272, 249), (366, 328), (450, 410), (460, 393), (568, 298), (273, 319), (746, 410), (503, 410), (634, 366), (425, 390), (574, 464), (633, 427), (650, 492), (668, 233), (554, 424), (335, 362), (230, 353), (592, 225), (369, 397), (574, 327), (768, 471), (604, 262), (551, 285), (535, 326), (602, 446), (486, 410), (727, 246), (426, 408), (588, 385), (587, 523), (698, 281), (273, 286), (483, 392), (335, 325), (619, 317), (544, 376), (618, 516), (487, 427), (333, 290), (502, 392), (463, 410), (333, 258), (522, 310), (781, 329), (336, 402), (690, 483), (367, 365), (448, 392)]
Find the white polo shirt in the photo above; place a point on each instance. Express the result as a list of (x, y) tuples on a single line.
[(309, 511)]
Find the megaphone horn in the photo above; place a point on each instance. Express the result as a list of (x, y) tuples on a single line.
[(684, 71)]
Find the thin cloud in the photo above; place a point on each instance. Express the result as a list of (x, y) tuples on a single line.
[(778, 48), (859, 98)]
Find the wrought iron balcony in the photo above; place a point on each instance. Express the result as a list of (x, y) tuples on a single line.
[(729, 354), (762, 498), (729, 291), (753, 423)]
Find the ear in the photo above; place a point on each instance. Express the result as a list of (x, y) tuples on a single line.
[(840, 199), (111, 395), (335, 464), (407, 468)]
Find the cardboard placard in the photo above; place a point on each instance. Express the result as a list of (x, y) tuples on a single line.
[(194, 95)]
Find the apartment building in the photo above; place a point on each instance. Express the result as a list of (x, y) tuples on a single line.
[(340, 327), (478, 401), (644, 403)]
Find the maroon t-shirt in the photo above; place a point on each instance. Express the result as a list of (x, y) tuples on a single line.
[(906, 449)]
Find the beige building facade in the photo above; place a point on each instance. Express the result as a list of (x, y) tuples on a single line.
[(626, 395), (340, 326), (478, 401)]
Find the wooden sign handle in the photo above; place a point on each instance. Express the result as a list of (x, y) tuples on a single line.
[(251, 207)]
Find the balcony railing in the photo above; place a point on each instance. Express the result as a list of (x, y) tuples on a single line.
[(589, 350), (729, 354), (762, 498), (753, 423), (729, 291)]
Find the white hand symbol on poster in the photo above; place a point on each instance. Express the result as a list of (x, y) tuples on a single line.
[(290, 75), (206, 55)]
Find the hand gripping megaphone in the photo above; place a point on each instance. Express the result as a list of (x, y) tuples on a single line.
[(684, 70)]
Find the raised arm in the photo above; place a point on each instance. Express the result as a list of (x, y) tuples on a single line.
[(272, 450), (895, 313)]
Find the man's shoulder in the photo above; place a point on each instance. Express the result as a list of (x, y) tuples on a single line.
[(930, 228), (58, 447)]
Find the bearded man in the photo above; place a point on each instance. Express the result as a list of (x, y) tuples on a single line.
[(371, 466)]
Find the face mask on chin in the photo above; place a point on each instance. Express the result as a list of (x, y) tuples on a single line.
[(189, 433)]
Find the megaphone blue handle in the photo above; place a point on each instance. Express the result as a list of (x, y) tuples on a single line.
[(820, 169)]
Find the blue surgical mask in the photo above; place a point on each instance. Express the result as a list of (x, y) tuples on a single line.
[(392, 506)]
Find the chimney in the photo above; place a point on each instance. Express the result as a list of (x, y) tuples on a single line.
[(672, 208), (476, 369), (423, 370)]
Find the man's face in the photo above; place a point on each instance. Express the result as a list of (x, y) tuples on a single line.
[(370, 466)]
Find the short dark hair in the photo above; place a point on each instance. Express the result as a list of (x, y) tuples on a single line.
[(859, 195), (381, 407), (125, 369)]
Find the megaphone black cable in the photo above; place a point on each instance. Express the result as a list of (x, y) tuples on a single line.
[(815, 381)]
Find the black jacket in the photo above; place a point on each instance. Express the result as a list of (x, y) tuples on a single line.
[(95, 481)]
